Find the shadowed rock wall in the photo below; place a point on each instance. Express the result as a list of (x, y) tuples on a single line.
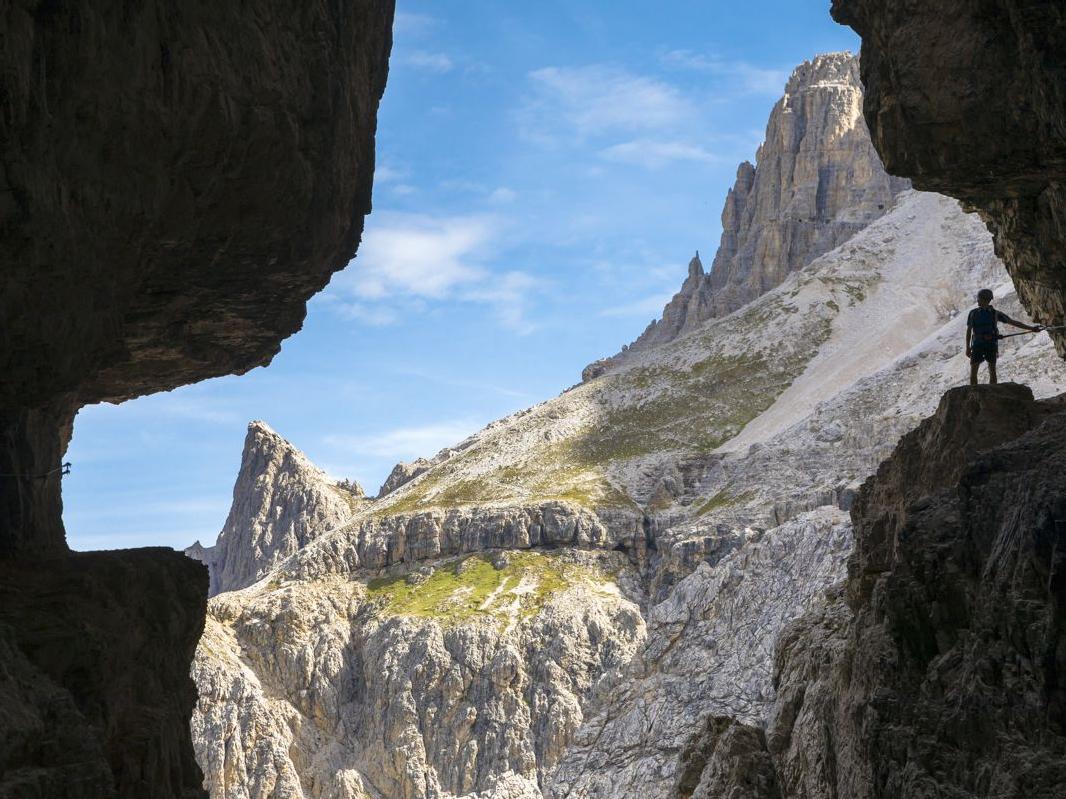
[(940, 672), (176, 180), (968, 98)]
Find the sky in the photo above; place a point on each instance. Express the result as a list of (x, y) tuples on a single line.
[(545, 171)]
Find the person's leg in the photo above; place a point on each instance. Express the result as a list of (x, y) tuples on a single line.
[(973, 372), (992, 379)]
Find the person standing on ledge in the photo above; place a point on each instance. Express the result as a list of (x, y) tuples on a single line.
[(982, 335)]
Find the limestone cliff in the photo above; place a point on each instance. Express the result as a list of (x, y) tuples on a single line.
[(176, 180), (817, 181), (280, 502)]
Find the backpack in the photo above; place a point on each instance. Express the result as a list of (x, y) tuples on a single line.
[(984, 324)]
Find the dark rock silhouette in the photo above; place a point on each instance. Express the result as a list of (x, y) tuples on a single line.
[(938, 671), (178, 180)]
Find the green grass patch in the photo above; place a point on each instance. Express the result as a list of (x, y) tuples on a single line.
[(723, 499), (471, 587)]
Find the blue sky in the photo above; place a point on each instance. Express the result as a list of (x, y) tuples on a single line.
[(545, 172)]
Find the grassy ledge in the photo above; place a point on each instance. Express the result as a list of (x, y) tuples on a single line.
[(468, 588)]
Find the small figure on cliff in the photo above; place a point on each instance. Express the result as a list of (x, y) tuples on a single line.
[(982, 335)]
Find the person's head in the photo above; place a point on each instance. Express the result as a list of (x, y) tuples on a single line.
[(984, 296)]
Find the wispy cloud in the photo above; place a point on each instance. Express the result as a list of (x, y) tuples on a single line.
[(600, 99), (652, 305), (418, 256), (425, 60), (746, 77), (385, 173), (508, 294), (502, 196), (457, 382), (407, 23), (653, 154), (405, 443)]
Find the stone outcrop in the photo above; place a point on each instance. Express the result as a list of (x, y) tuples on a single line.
[(969, 99), (403, 473), (941, 675), (378, 542), (95, 690), (705, 660), (817, 182), (368, 689), (177, 180), (281, 502)]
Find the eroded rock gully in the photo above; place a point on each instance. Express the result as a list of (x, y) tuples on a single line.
[(176, 182)]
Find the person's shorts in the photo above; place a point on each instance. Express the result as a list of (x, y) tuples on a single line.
[(984, 351)]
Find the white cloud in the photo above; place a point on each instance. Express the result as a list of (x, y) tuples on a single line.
[(649, 305), (503, 196), (373, 315), (746, 77), (426, 60), (419, 255), (403, 189), (599, 99), (411, 257), (383, 173), (653, 154), (509, 295), (405, 443), (406, 23)]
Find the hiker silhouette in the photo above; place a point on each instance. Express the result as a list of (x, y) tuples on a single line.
[(982, 335)]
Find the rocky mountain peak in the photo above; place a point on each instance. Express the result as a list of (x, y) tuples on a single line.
[(281, 501), (695, 268), (403, 473), (823, 70), (817, 182)]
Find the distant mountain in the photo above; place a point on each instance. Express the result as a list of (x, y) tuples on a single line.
[(561, 604), (818, 181)]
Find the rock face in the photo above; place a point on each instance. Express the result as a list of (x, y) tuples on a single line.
[(177, 181), (468, 681), (403, 473), (281, 501), (95, 686), (969, 99), (952, 632), (817, 182)]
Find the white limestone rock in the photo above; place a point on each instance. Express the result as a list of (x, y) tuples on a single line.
[(281, 502)]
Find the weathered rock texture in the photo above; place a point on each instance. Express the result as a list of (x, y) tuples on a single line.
[(969, 99), (96, 694), (353, 688), (817, 182), (942, 675), (176, 180), (281, 501), (403, 473)]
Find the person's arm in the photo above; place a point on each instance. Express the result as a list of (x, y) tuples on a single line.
[(1007, 320), (969, 334)]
